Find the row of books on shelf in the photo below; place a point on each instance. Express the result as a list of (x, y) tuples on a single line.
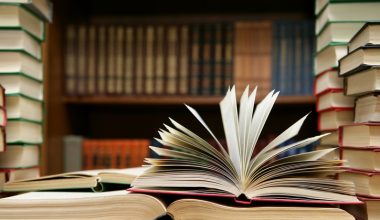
[(188, 59), (148, 59)]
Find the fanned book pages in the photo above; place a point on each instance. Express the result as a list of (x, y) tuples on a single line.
[(189, 165)]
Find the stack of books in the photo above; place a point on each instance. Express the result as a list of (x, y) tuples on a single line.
[(22, 32), (336, 23), (360, 142)]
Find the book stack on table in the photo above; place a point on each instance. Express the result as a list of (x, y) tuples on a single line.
[(22, 32), (335, 26), (360, 142)]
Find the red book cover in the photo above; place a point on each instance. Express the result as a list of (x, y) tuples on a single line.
[(320, 76), (367, 173), (329, 91)]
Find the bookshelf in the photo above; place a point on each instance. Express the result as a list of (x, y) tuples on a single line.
[(140, 116)]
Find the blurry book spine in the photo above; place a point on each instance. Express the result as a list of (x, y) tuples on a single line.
[(228, 56), (71, 60), (171, 60), (101, 58), (149, 63), (129, 60), (183, 61), (195, 59), (82, 54), (73, 153)]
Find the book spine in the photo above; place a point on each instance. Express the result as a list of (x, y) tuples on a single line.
[(139, 60), (228, 56), (206, 60), (275, 56), (101, 58), (171, 60), (183, 63), (82, 44), (195, 59), (129, 58), (149, 83), (119, 59), (159, 60), (111, 65), (70, 60), (91, 60), (218, 61)]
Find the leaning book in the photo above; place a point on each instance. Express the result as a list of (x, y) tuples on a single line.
[(189, 165)]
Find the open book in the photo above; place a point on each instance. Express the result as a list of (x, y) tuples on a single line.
[(95, 180), (189, 165), (125, 205)]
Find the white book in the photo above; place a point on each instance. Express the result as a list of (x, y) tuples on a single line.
[(19, 40), (349, 12), (20, 156), (23, 131), (17, 62), (20, 106), (15, 16), (20, 84)]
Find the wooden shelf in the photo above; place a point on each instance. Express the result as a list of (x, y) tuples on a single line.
[(172, 100)]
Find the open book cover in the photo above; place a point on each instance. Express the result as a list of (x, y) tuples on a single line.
[(92, 180), (189, 165)]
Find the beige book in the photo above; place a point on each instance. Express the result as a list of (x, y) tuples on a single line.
[(328, 58), (364, 159), (362, 58), (360, 135), (125, 205), (367, 35), (96, 180)]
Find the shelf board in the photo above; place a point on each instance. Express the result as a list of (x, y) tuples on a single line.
[(172, 100)]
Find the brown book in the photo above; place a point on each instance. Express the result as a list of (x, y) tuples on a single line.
[(91, 61), (159, 67), (206, 59), (171, 60), (195, 60), (253, 48), (149, 60), (218, 61), (183, 61), (129, 59), (101, 60), (110, 60), (228, 55), (139, 72), (119, 59), (71, 60), (82, 57)]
